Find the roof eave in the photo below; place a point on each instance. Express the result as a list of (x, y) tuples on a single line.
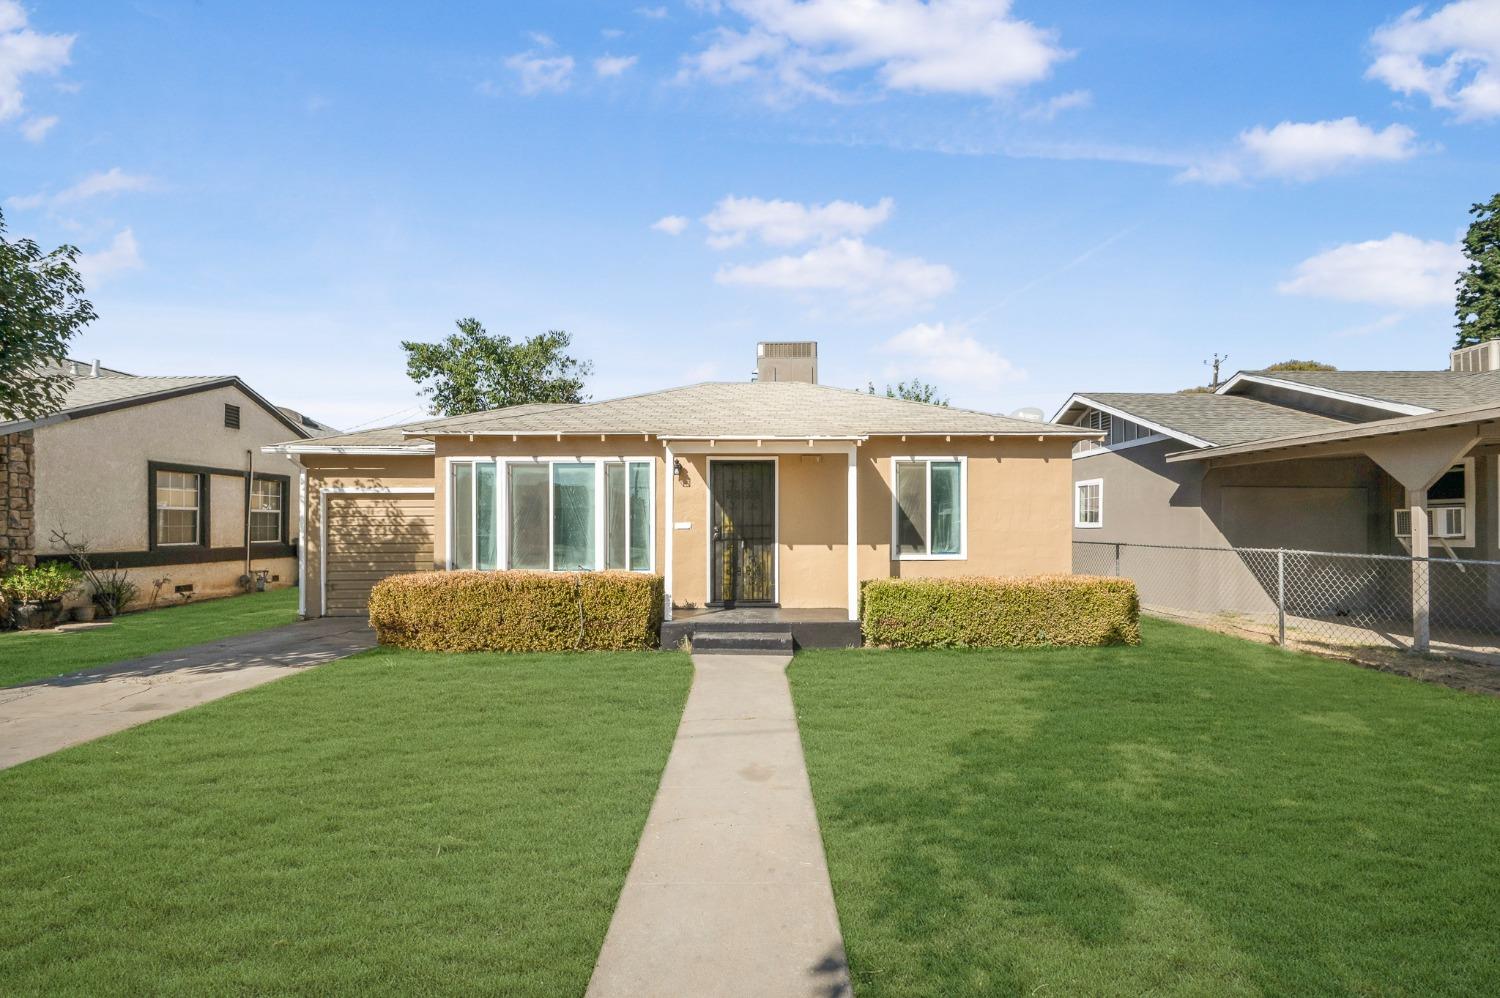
[(1402, 408)]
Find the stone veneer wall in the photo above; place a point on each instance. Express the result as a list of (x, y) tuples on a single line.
[(17, 500)]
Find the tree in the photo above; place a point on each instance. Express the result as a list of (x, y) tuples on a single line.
[(912, 391), (1301, 365), (471, 371), (41, 308), (1478, 304)]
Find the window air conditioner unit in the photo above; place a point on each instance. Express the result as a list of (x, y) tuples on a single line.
[(1442, 521)]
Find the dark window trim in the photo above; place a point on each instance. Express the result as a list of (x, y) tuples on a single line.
[(179, 555), (286, 504), (205, 475)]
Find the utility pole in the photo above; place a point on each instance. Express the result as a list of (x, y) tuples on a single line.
[(1215, 363)]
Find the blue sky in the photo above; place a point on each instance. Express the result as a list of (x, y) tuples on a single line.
[(1012, 200)]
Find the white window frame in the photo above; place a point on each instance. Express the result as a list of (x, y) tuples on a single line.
[(502, 508), (1078, 487), (197, 510), (1467, 540), (280, 509), (963, 508)]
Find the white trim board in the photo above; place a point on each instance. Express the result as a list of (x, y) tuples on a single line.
[(1154, 438), (1327, 393), (1186, 438)]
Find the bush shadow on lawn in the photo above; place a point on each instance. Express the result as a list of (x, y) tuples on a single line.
[(1197, 815)]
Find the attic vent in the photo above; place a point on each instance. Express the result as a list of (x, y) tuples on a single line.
[(231, 416)]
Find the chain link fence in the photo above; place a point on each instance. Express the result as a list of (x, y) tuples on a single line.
[(1318, 600)]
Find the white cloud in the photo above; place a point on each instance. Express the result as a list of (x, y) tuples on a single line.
[(1451, 57), (652, 13), (1052, 107), (672, 225), (947, 356), (541, 39), (36, 129), (801, 47), (25, 52), (1305, 151), (111, 181), (538, 73), (868, 274), (613, 65), (788, 223), (1399, 270), (122, 254)]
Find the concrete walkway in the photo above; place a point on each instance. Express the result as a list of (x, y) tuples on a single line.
[(50, 714), (729, 891)]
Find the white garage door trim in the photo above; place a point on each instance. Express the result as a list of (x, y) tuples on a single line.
[(352, 490)]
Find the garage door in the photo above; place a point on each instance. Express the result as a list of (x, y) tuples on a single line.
[(368, 537)]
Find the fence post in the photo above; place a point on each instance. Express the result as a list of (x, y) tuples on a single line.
[(1117, 561), (1281, 597)]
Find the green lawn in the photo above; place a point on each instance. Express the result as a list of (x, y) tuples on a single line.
[(28, 655), (1199, 815), (395, 823)]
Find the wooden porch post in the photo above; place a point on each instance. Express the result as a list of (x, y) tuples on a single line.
[(853, 533), (1416, 499)]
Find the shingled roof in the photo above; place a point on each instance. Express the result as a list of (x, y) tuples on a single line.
[(1436, 390), (769, 409), (1215, 420)]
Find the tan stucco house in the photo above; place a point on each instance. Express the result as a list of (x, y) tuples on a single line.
[(163, 477), (777, 492)]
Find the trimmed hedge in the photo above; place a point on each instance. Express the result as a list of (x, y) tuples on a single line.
[(518, 611), (974, 612)]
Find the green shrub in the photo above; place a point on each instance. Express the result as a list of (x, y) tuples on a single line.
[(518, 611), (45, 583), (1074, 610)]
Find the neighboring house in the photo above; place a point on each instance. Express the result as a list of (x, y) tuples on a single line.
[(737, 494), (1342, 461), (154, 474)]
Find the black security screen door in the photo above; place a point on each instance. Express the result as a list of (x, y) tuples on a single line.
[(744, 532)]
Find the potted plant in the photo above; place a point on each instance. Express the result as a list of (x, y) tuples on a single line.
[(36, 594)]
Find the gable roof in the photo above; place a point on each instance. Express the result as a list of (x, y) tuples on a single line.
[(90, 396), (746, 410), (1201, 419), (1411, 392)]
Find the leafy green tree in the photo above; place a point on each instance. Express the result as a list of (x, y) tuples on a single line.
[(470, 370), (1301, 365), (1478, 303), (41, 308), (911, 391)]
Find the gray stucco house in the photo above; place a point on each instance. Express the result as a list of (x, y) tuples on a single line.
[(1342, 461)]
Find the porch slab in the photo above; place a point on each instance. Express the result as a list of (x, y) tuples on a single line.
[(810, 627)]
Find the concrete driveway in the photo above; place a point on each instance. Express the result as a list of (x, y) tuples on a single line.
[(46, 715)]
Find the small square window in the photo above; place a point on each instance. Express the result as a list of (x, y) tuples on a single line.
[(231, 416)]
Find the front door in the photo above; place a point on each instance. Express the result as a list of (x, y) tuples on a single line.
[(743, 565)]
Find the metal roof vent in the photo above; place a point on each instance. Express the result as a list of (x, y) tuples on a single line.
[(1479, 357), (787, 361)]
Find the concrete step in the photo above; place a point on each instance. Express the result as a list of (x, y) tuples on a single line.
[(718, 642)]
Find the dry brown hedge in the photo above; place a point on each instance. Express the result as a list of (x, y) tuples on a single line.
[(518, 611), (1026, 612)]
